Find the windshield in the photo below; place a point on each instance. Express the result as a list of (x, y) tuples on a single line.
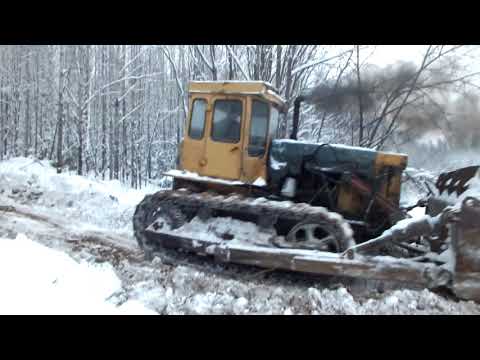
[(227, 117)]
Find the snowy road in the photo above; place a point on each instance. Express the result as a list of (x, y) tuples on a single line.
[(85, 226)]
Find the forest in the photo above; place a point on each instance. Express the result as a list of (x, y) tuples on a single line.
[(118, 111)]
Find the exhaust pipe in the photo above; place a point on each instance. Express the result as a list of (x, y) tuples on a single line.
[(296, 116)]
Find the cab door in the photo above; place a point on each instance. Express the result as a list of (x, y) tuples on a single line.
[(223, 149)]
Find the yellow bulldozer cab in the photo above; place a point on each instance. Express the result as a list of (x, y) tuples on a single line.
[(228, 130)]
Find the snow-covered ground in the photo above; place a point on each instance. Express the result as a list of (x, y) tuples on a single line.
[(38, 280), (101, 204), (68, 247)]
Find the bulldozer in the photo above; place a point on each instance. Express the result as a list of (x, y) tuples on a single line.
[(244, 191)]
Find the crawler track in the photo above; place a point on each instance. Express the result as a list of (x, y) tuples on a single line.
[(182, 205)]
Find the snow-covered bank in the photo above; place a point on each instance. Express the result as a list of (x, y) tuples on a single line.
[(102, 204), (37, 280)]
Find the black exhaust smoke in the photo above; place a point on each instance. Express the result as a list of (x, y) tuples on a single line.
[(343, 96)]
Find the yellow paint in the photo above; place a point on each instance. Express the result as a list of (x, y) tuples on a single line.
[(226, 160), (392, 189), (192, 151), (349, 201), (222, 159), (354, 203), (257, 88), (231, 160)]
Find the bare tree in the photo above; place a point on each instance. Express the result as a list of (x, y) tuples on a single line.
[(119, 110)]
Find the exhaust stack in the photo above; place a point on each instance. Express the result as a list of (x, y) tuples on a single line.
[(296, 116)]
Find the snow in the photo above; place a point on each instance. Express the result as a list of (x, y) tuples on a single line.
[(37, 280), (269, 88), (188, 291), (365, 148), (101, 204), (417, 212), (266, 83), (242, 235), (432, 138), (212, 230), (413, 186), (290, 141), (403, 225), (184, 174), (338, 146), (411, 192), (260, 182), (276, 165), (193, 285), (273, 93)]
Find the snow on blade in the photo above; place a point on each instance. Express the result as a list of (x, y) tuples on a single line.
[(37, 280), (216, 229)]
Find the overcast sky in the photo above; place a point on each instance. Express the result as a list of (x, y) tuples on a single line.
[(383, 55), (389, 54)]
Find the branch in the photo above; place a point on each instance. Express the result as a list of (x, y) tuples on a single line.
[(414, 83), (98, 91), (393, 98), (128, 91), (179, 85), (132, 60), (237, 62), (446, 82), (318, 62), (131, 112), (204, 58)]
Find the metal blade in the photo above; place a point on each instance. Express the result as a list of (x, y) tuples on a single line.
[(455, 181)]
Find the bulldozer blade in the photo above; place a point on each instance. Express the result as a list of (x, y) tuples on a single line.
[(310, 261), (456, 181), (466, 248)]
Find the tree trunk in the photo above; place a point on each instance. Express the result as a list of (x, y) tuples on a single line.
[(278, 75), (104, 135), (124, 162), (360, 97), (27, 134), (16, 115), (230, 66), (116, 141), (60, 115), (4, 135), (2, 120), (37, 100)]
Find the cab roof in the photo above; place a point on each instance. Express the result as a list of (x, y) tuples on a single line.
[(261, 88)]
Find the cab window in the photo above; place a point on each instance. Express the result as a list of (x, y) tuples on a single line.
[(197, 123), (274, 117), (227, 118), (258, 128)]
